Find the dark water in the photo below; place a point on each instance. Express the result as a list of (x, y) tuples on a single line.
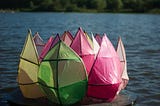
[(140, 34)]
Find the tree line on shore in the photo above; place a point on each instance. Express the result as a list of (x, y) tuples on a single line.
[(82, 5)]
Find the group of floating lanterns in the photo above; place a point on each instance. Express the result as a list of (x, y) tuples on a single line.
[(66, 69)]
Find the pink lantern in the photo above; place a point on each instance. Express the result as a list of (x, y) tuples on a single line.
[(122, 55), (82, 47), (46, 48), (38, 42), (105, 76), (51, 42), (98, 38), (67, 38)]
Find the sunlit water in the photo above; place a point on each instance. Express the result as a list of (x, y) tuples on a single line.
[(140, 34)]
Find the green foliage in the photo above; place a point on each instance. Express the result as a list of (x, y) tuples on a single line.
[(114, 5), (31, 5), (82, 5), (97, 4), (71, 8)]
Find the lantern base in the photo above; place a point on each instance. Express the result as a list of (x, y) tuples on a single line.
[(16, 98)]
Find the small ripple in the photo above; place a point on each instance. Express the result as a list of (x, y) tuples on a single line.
[(151, 51), (150, 102), (154, 96), (8, 89), (2, 68), (143, 90), (146, 73)]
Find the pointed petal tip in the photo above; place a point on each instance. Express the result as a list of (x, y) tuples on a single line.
[(120, 38), (80, 28), (58, 36), (92, 34), (29, 31), (104, 34)]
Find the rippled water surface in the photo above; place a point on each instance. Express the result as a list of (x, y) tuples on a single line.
[(140, 34)]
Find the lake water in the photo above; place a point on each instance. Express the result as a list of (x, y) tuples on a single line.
[(140, 34)]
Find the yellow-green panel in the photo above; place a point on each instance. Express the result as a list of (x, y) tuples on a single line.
[(51, 94), (27, 72), (29, 51), (31, 91), (47, 74), (70, 72), (52, 54), (89, 40), (66, 52)]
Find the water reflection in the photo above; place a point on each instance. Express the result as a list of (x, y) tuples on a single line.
[(139, 32)]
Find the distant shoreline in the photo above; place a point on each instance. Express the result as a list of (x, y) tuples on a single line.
[(85, 6), (8, 11), (154, 11)]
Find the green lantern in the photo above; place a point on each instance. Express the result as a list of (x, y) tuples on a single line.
[(62, 75)]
